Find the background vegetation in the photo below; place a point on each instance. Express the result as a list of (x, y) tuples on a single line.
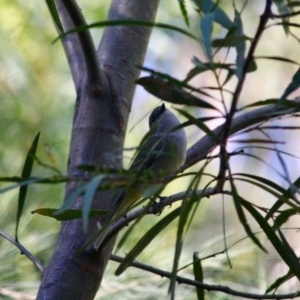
[(37, 94)]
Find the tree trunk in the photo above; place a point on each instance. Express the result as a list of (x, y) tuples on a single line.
[(104, 97)]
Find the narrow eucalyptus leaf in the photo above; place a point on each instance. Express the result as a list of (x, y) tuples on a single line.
[(26, 172), (145, 240), (198, 275), (89, 197)]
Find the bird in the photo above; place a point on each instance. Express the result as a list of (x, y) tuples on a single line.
[(161, 153)]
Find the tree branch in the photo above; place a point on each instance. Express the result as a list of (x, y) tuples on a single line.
[(155, 209), (200, 149), (229, 117), (85, 41), (71, 46), (23, 250), (208, 287), (288, 15)]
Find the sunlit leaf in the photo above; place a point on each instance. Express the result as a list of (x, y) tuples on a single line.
[(69, 214), (26, 172)]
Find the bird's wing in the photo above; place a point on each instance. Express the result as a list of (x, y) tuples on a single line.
[(148, 153)]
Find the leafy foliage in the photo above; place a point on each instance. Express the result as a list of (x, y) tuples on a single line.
[(229, 54)]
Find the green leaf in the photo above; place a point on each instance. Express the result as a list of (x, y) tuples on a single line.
[(229, 41), (133, 226), (203, 67), (283, 8), (287, 103), (53, 10), (146, 239), (167, 91), (26, 172), (291, 87), (271, 191), (220, 17), (206, 26), (289, 24), (88, 199), (284, 216), (286, 194), (279, 58), (242, 217), (185, 210), (184, 12), (279, 281), (128, 23), (197, 122), (292, 255), (71, 199), (22, 183), (198, 274), (240, 47), (69, 214), (270, 233), (172, 80), (293, 3), (266, 182)]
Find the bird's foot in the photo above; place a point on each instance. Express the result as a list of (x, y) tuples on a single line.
[(158, 206)]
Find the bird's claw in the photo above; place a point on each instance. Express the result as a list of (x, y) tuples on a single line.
[(157, 206)]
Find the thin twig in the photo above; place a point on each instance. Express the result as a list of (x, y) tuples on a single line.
[(229, 118), (155, 209), (208, 287), (23, 250), (292, 14)]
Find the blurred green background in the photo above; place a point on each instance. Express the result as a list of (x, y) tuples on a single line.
[(37, 94)]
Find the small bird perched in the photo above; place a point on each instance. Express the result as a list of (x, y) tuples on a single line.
[(162, 153)]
